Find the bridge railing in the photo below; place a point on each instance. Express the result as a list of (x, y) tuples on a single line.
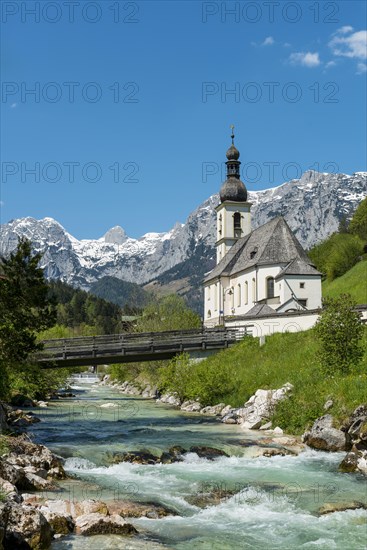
[(112, 344)]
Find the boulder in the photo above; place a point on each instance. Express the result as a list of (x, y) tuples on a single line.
[(151, 510), (191, 406), (135, 457), (174, 454), (324, 436), (214, 410), (11, 473), (260, 407), (9, 490), (354, 461), (62, 524), (27, 527), (24, 454), (226, 410), (266, 426), (97, 524), (330, 507), (209, 453)]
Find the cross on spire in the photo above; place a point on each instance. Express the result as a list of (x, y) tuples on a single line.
[(232, 135)]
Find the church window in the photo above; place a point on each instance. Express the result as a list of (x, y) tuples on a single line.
[(270, 287), (220, 224), (237, 225), (301, 285), (209, 314), (239, 295), (303, 302), (216, 297), (253, 290), (246, 293)]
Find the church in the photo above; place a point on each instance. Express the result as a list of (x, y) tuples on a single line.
[(263, 279)]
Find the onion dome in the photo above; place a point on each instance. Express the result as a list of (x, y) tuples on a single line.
[(233, 189), (233, 153)]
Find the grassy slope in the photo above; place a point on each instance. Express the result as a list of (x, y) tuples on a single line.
[(353, 281), (291, 357)]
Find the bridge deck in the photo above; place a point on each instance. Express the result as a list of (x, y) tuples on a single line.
[(132, 347)]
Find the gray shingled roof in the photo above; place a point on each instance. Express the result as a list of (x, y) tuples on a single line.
[(272, 243), (260, 309), (298, 267)]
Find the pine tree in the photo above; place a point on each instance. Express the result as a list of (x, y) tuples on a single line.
[(25, 308)]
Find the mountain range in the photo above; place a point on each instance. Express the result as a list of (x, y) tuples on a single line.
[(176, 261)]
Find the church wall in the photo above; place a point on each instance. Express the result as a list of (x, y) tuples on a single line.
[(256, 284), (258, 326), (311, 291)]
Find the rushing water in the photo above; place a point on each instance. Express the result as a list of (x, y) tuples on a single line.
[(274, 500)]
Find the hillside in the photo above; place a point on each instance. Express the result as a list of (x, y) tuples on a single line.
[(122, 293), (233, 375), (353, 282)]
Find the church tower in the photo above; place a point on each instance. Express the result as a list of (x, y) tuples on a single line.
[(233, 212)]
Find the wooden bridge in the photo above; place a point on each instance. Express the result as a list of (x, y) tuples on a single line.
[(132, 347)]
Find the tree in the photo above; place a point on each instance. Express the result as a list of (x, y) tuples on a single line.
[(358, 224), (339, 330), (24, 308), (343, 224), (170, 313)]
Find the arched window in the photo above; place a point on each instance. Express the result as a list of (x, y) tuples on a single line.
[(238, 295), (246, 293), (253, 290), (220, 224), (237, 224), (270, 287), (209, 314)]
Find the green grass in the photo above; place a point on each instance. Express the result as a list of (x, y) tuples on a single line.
[(352, 282), (289, 357), (4, 447)]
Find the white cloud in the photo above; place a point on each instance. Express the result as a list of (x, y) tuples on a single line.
[(269, 41), (287, 45), (306, 59), (344, 30), (13, 105), (350, 45), (361, 68), (2, 203), (330, 64)]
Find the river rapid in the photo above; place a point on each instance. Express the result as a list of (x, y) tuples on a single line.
[(273, 502)]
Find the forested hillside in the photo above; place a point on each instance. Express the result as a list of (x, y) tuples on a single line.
[(77, 309)]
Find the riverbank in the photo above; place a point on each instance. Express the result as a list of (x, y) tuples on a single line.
[(256, 413), (103, 437)]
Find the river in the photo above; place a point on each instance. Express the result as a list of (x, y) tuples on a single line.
[(274, 500)]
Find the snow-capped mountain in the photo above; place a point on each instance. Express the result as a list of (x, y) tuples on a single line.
[(312, 205)]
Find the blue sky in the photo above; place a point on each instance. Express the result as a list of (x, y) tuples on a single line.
[(129, 121)]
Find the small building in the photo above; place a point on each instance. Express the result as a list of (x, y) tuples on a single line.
[(262, 275)]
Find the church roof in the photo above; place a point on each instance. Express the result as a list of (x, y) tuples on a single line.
[(272, 243), (298, 267), (260, 309)]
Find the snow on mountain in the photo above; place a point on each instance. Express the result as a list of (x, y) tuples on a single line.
[(312, 205)]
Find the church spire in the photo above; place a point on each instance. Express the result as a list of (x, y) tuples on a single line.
[(233, 189)]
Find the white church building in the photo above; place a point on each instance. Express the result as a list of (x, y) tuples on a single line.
[(263, 279)]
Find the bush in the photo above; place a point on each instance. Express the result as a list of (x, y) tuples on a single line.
[(339, 330)]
